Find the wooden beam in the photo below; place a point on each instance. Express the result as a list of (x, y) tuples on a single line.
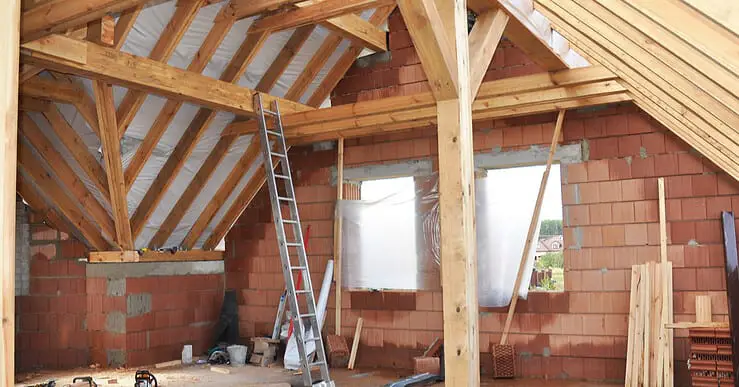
[(337, 231), (224, 191), (173, 33), (29, 71), (192, 191), (520, 31), (456, 199), (61, 15), (316, 12), (32, 104), (691, 325), (533, 225), (506, 97), (58, 197), (147, 75), (10, 27), (78, 149), (187, 142), (111, 146), (725, 13), (38, 204), (345, 61), (239, 9), (283, 59), (484, 39), (53, 90), (124, 25), (661, 83), (66, 175), (154, 256), (102, 31), (432, 44), (166, 115)]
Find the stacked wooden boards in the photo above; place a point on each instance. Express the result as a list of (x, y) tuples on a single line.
[(649, 359)]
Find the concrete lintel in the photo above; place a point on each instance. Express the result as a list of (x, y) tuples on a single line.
[(422, 167), (535, 155), (149, 269)]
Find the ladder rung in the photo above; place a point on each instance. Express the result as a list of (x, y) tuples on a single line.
[(318, 363), (282, 177), (302, 291), (289, 221), (307, 315), (298, 267), (277, 154), (273, 133), (269, 112), (312, 339), (293, 244), (285, 199)]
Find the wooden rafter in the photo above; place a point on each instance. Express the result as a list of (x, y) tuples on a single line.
[(191, 136), (62, 15), (53, 90), (193, 190), (111, 146), (672, 90), (173, 33), (124, 25), (155, 256), (313, 67), (32, 104), (432, 44), (484, 39), (66, 175), (39, 205), (60, 199), (224, 191), (496, 99), (102, 31), (97, 62), (166, 115), (345, 61), (77, 148), (283, 59), (336, 15), (29, 71)]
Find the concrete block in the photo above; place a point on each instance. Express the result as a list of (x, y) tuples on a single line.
[(116, 287), (115, 322), (138, 304)]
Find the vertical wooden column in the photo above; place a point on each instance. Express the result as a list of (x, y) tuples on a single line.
[(457, 218), (337, 231), (9, 47)]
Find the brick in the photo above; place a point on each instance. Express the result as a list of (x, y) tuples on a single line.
[(682, 232), (678, 186), (589, 192), (633, 189), (591, 236), (597, 170), (577, 215), (709, 231), (623, 212), (616, 125), (638, 123), (532, 134), (684, 279), (727, 185), (600, 213), (629, 146), (704, 185), (604, 148), (613, 235), (609, 191), (689, 163), (693, 208), (619, 169), (512, 136), (576, 173), (646, 211), (711, 278), (635, 234), (653, 143), (715, 205), (666, 165), (642, 167)]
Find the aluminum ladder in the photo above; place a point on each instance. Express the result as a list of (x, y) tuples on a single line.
[(292, 252)]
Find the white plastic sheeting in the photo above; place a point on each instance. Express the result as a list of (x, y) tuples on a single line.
[(401, 231), (147, 29)]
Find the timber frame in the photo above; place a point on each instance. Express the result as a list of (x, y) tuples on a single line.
[(608, 52)]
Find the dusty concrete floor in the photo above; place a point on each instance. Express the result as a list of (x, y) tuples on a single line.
[(250, 376)]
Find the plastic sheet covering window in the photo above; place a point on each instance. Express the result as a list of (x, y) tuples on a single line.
[(393, 242)]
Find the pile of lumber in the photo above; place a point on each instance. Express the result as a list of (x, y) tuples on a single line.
[(649, 359)]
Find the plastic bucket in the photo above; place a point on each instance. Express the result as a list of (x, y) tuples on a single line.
[(237, 354)]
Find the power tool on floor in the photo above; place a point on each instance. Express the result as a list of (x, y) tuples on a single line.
[(84, 379), (145, 378)]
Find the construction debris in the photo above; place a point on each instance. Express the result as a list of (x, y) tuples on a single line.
[(220, 370), (166, 364), (338, 351)]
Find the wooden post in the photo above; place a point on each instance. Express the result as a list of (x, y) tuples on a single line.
[(457, 218), (532, 227), (337, 231), (9, 47)]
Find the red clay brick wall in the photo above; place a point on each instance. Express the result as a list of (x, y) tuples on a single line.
[(610, 218), (51, 318)]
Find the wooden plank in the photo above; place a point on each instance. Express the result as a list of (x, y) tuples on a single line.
[(484, 39), (283, 59), (656, 325), (532, 227), (239, 9), (61, 15), (29, 71), (224, 191), (124, 25), (190, 137), (358, 30), (345, 61), (102, 31), (111, 146), (78, 149), (38, 204), (647, 299), (355, 343), (314, 13), (66, 175), (166, 115), (53, 90), (31, 104), (154, 256), (703, 311), (631, 339), (669, 367), (432, 44), (338, 232), (732, 278), (456, 206), (10, 27), (173, 33), (151, 76), (725, 13), (59, 198), (662, 220), (192, 191), (691, 325)]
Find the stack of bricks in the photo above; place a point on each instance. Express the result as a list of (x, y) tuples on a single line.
[(711, 357), (52, 316), (610, 217)]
